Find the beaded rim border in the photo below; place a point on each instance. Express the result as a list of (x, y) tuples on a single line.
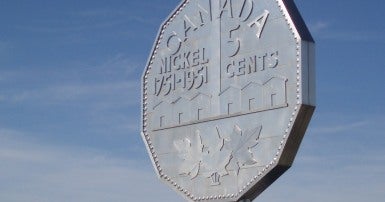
[(268, 167)]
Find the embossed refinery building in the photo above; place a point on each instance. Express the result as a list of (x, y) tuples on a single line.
[(234, 100)]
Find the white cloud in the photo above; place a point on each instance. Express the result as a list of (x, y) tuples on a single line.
[(339, 128), (105, 13), (101, 12), (333, 123), (105, 95), (85, 21), (320, 178), (341, 159), (36, 172), (327, 30), (353, 35), (107, 83), (319, 26), (120, 64), (100, 98), (106, 108), (54, 27)]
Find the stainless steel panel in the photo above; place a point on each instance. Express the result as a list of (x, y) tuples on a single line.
[(227, 94)]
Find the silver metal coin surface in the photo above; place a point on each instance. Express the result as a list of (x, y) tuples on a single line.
[(228, 92)]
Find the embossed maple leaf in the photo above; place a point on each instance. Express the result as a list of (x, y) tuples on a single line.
[(216, 160), (192, 153), (240, 145)]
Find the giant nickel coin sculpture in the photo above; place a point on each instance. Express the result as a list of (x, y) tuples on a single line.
[(227, 95)]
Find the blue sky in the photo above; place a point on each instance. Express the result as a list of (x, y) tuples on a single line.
[(70, 103)]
